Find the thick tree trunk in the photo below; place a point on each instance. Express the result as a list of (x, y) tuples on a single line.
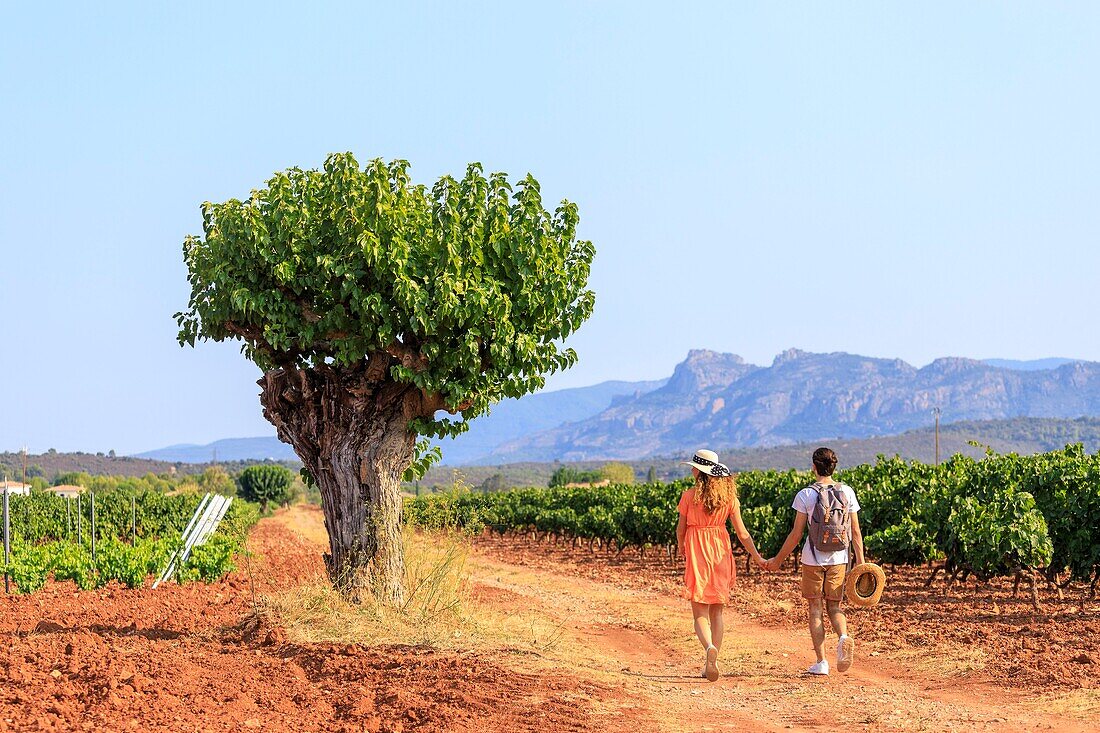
[(351, 432)]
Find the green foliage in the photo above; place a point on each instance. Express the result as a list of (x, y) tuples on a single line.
[(129, 564), (73, 562), (29, 567), (998, 535), (43, 516), (905, 543), (209, 562), (44, 538), (570, 475), (266, 484), (425, 456), (617, 473), (992, 516), (218, 481), (463, 291)]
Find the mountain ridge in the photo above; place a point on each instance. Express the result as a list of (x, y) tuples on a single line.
[(718, 399), (714, 398)]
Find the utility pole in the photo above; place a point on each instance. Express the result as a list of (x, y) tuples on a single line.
[(24, 465), (936, 413)]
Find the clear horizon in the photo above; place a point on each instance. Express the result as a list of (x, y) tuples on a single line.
[(933, 165)]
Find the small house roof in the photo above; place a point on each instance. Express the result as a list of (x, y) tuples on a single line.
[(67, 487)]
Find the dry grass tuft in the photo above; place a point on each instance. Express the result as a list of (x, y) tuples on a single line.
[(1082, 704), (945, 661), (442, 609), (436, 609)]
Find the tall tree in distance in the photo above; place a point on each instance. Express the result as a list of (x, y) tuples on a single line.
[(372, 304), (266, 485)]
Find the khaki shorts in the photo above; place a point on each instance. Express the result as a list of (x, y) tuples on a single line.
[(827, 581)]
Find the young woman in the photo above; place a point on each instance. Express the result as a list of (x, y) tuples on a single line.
[(704, 544)]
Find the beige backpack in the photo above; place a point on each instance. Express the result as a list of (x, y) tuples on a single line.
[(830, 522)]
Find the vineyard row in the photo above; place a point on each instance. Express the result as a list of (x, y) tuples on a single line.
[(1000, 515)]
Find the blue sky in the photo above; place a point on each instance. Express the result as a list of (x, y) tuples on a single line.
[(899, 181)]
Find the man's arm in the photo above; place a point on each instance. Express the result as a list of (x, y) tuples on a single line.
[(792, 540), (857, 538)]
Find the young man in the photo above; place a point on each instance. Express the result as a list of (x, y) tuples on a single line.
[(829, 509)]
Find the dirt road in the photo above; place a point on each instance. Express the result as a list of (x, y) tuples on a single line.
[(641, 641), (581, 649)]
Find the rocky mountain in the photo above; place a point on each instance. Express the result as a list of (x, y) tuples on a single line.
[(719, 400)]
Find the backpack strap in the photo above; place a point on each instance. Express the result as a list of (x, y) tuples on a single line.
[(809, 536)]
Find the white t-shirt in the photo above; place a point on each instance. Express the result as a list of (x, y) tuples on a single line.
[(804, 501)]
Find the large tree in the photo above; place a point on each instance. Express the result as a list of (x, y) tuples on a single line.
[(372, 304)]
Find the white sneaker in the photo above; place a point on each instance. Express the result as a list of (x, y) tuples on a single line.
[(821, 667), (711, 670), (845, 653)]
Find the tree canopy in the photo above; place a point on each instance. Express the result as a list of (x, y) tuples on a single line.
[(266, 484), (464, 291)]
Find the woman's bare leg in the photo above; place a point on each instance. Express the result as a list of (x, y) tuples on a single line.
[(701, 612), (717, 624)]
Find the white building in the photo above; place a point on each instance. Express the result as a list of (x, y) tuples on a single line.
[(13, 488), (66, 491)]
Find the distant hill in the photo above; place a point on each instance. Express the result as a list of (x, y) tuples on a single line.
[(1028, 366), (508, 420), (715, 399), (228, 449), (49, 465), (1016, 435)]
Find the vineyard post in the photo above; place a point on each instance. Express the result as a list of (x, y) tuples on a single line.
[(79, 523), (69, 518), (7, 543), (936, 412), (133, 520), (93, 527)]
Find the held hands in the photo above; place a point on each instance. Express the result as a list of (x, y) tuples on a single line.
[(773, 564), (760, 562)]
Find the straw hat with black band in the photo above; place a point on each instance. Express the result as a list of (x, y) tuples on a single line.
[(707, 462), (865, 584)]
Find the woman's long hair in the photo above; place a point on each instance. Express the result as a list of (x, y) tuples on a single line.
[(715, 492)]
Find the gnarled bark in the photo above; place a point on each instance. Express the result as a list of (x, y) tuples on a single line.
[(350, 428)]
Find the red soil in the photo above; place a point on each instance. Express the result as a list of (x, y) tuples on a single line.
[(1058, 648), (193, 658)]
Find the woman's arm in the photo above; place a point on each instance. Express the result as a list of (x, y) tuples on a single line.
[(792, 540), (857, 539), (681, 529), (743, 535)]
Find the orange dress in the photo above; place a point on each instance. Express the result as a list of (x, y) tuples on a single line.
[(709, 571)]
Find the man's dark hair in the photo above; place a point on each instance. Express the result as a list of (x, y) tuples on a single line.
[(824, 461)]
